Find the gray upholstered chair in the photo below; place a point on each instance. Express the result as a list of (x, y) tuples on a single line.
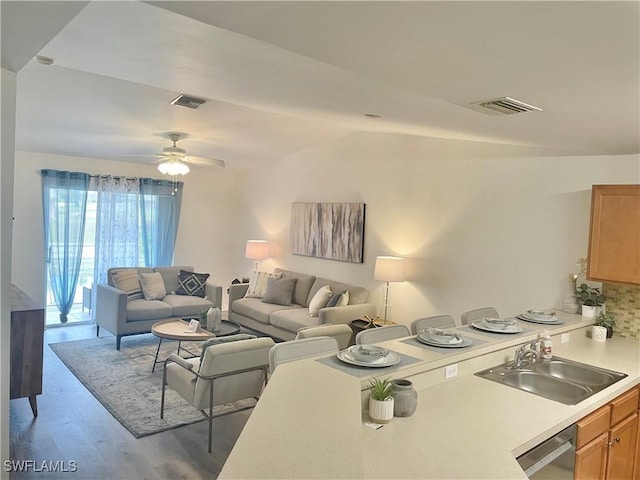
[(372, 336), (225, 372), (437, 321), (472, 315), (342, 333), (300, 349)]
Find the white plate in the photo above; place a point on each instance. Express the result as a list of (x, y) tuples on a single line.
[(387, 361), (428, 340), (496, 328), (552, 321)]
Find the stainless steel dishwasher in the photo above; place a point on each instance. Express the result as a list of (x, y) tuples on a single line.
[(553, 459)]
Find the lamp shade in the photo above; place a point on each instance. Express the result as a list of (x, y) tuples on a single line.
[(389, 269), (173, 167), (257, 249)]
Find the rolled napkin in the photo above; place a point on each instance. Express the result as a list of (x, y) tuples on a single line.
[(436, 332), (368, 353), (542, 314), (501, 321)]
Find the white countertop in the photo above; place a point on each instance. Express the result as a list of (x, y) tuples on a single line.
[(309, 420)]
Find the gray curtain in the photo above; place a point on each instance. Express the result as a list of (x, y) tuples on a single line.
[(64, 196), (160, 202)]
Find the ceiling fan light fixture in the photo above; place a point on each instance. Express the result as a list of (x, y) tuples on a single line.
[(173, 167)]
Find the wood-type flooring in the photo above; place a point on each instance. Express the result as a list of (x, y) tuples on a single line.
[(75, 437)]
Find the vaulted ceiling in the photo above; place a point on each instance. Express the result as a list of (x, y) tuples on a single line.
[(280, 77)]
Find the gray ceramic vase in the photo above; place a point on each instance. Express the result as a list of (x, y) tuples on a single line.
[(405, 398)]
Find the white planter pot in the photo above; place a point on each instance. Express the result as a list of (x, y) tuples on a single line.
[(588, 312), (381, 411)]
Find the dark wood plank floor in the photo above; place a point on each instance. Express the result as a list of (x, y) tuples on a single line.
[(72, 426)]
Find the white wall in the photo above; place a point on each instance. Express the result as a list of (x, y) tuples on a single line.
[(205, 233), (479, 224), (7, 150)]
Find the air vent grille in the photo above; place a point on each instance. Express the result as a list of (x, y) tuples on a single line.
[(187, 101), (506, 106)]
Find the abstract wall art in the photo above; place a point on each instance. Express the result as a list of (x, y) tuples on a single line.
[(328, 230)]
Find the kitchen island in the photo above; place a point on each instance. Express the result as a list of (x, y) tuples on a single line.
[(309, 422)]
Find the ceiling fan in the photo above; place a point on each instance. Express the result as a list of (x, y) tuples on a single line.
[(173, 160)]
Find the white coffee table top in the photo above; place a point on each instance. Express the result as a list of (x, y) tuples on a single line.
[(176, 329)]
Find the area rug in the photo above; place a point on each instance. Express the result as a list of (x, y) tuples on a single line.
[(122, 381)]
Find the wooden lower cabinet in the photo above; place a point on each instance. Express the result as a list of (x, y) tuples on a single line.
[(591, 460), (608, 441), (622, 449)]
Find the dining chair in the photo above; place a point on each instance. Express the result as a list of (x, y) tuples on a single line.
[(341, 332), (437, 321), (225, 373), (300, 349), (372, 336), (469, 317)]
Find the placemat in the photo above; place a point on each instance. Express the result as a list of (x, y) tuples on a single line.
[(357, 371), (443, 350)]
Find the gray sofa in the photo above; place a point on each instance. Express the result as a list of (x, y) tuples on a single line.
[(283, 322), (120, 315)]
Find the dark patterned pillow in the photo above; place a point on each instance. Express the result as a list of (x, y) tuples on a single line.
[(191, 283)]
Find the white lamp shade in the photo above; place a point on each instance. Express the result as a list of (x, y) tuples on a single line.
[(257, 249), (389, 269), (173, 167)]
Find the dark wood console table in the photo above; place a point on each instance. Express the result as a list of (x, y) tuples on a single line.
[(27, 338)]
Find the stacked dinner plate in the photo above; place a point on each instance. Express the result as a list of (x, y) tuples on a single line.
[(443, 338), (541, 317), (498, 325), (368, 356)]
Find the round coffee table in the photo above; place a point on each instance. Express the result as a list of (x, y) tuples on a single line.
[(176, 329)]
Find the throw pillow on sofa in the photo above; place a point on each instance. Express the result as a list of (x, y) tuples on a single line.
[(258, 283), (279, 291), (127, 281), (152, 286), (319, 300), (339, 299), (191, 283)]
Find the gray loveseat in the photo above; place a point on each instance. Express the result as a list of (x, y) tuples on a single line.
[(121, 313), (283, 322)]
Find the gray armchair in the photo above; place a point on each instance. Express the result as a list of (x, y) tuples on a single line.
[(225, 372)]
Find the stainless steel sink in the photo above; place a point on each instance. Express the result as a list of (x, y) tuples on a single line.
[(557, 379)]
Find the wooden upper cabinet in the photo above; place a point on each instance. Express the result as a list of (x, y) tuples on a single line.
[(614, 239)]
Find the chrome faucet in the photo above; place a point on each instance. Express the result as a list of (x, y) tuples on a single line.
[(526, 354)]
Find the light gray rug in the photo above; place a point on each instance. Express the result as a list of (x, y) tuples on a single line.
[(122, 381)]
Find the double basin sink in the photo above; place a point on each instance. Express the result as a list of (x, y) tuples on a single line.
[(557, 379)]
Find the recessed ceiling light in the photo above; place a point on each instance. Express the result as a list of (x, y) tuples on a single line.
[(44, 60), (372, 115)]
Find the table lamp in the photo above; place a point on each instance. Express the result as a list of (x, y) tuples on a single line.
[(389, 269), (256, 250)]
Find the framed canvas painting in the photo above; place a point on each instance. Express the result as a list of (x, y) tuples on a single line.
[(328, 230)]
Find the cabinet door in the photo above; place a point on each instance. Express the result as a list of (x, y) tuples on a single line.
[(591, 460), (614, 234), (622, 438), (637, 460)]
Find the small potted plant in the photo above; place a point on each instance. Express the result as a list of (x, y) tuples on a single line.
[(381, 400), (591, 299), (607, 321)]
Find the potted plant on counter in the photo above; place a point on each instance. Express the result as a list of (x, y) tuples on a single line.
[(380, 400), (607, 321), (591, 299)]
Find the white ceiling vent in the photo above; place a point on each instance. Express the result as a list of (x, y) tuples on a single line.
[(504, 106), (187, 101)]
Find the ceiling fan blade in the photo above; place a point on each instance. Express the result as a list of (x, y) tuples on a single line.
[(204, 161), (135, 157)]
